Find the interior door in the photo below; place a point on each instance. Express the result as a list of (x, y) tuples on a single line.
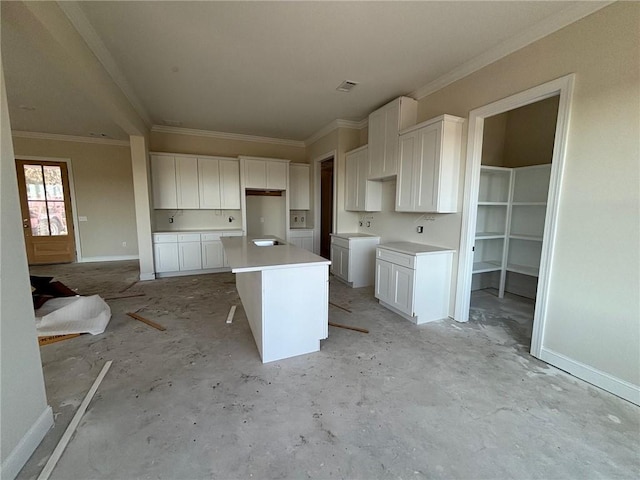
[(45, 202)]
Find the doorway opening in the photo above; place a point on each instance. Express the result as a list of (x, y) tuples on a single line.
[(471, 252), (517, 152), (326, 206), (47, 218)]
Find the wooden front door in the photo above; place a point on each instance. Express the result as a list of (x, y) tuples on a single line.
[(45, 202)]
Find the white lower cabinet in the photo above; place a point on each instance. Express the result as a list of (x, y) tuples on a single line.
[(414, 280), (353, 258), (302, 238), (189, 253)]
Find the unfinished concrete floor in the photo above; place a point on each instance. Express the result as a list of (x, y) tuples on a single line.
[(443, 400)]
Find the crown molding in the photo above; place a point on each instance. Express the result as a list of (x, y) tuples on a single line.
[(69, 138), (338, 123), (81, 23), (227, 136), (536, 32)]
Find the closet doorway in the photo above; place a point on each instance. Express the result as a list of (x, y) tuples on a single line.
[(516, 150), (324, 209)]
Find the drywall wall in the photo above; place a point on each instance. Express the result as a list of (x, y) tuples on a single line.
[(103, 185), (24, 414), (521, 137), (593, 309), (530, 133), (266, 216), (224, 147), (196, 219)]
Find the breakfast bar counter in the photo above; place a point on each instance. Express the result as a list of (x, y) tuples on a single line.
[(285, 294)]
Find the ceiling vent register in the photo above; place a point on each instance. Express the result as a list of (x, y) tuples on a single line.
[(346, 86)]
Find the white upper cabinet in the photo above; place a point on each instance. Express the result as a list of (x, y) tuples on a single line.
[(384, 126), (362, 195), (190, 182), (219, 183), (429, 166), (187, 182), (264, 173), (163, 176), (299, 186)]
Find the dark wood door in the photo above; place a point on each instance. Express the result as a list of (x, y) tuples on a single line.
[(326, 207)]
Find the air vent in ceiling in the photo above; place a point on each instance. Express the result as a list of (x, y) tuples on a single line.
[(346, 86), (98, 135), (172, 123)]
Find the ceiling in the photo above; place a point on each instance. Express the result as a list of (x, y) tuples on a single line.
[(258, 68)]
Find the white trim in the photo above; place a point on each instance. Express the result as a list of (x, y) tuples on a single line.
[(536, 32), (564, 87), (600, 379), (72, 194), (108, 258), (144, 277), (69, 138), (76, 16), (27, 445), (226, 135), (337, 123), (317, 201)]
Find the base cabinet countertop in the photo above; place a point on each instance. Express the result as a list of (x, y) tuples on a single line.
[(285, 294), (414, 280)]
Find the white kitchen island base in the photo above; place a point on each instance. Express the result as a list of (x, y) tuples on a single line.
[(287, 309), (285, 294)]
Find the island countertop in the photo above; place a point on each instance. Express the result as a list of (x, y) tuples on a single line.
[(244, 256)]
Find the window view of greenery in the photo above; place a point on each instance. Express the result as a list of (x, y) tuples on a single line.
[(45, 196)]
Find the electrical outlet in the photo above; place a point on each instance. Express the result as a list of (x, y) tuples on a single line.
[(420, 229), (170, 219), (368, 224), (124, 244), (360, 223)]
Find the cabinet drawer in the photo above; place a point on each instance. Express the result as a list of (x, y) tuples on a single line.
[(237, 233), (401, 259), (340, 242), (165, 238), (209, 237), (189, 237)]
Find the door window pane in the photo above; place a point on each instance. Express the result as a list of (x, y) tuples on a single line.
[(45, 196)]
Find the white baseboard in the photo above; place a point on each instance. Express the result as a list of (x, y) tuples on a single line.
[(147, 276), (27, 445), (108, 258), (617, 386)]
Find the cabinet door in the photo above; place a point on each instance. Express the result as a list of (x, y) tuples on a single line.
[(427, 173), (212, 254), (163, 178), (351, 181), (255, 173), (406, 181), (340, 262), (229, 184), (299, 187), (383, 281), (187, 182), (402, 283), (277, 175), (307, 243), (209, 183), (376, 143), (390, 164), (190, 256), (166, 257)]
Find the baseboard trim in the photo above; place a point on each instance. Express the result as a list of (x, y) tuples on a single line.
[(108, 258), (598, 378), (27, 445), (147, 276)]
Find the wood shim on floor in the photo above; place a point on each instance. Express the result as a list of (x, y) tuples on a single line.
[(151, 323), (340, 307), (55, 338), (348, 327)]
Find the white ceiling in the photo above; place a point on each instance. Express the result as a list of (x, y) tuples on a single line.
[(261, 68)]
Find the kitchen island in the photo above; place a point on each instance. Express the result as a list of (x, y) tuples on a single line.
[(285, 294)]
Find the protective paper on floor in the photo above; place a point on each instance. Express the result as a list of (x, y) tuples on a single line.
[(66, 315)]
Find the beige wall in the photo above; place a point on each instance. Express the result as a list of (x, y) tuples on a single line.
[(200, 145), (493, 134), (103, 190), (266, 216), (24, 414), (593, 304)]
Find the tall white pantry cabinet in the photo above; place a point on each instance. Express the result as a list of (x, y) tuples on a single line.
[(512, 204)]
